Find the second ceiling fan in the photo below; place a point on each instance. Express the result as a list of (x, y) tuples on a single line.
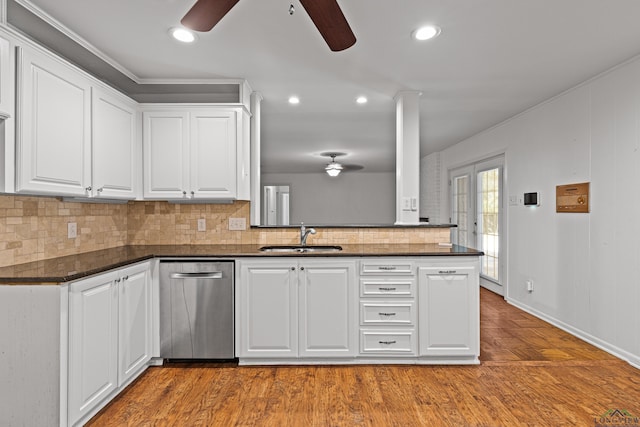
[(325, 14)]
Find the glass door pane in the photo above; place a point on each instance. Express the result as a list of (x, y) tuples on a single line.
[(488, 221), (461, 207)]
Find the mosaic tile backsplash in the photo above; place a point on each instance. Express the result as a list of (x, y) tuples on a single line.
[(35, 228)]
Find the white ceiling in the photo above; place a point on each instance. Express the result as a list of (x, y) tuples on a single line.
[(494, 59)]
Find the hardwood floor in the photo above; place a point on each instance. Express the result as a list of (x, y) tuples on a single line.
[(532, 374)]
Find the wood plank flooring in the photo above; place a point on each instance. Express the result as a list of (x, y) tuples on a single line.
[(532, 374)]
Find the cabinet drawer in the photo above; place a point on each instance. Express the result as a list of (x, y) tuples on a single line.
[(376, 313), (385, 342), (370, 287), (387, 267)]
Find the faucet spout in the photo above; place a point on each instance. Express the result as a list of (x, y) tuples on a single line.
[(304, 234)]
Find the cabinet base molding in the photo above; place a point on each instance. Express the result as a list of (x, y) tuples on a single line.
[(467, 360)]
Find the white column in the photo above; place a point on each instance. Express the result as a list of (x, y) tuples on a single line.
[(256, 99), (407, 157)]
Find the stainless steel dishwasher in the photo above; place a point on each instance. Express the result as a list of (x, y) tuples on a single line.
[(196, 309)]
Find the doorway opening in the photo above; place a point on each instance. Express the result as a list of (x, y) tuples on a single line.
[(476, 192)]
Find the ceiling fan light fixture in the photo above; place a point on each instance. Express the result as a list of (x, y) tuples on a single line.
[(427, 32), (361, 99), (333, 168), (182, 34), (294, 100)]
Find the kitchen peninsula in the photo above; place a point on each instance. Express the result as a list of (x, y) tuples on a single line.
[(403, 303)]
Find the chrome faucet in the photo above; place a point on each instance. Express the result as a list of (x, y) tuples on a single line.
[(304, 233)]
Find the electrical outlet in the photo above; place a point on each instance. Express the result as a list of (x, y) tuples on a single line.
[(202, 224), (513, 200), (237, 224), (406, 203), (529, 286), (72, 230)]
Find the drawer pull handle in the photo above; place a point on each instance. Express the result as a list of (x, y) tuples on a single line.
[(386, 267), (386, 342), (447, 272), (387, 314), (387, 289)]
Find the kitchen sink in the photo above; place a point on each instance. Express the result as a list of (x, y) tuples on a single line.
[(300, 249)]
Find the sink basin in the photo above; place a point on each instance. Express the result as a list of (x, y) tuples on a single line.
[(300, 249)]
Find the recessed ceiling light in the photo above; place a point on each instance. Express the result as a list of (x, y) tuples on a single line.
[(182, 34), (361, 100), (427, 32), (294, 100)]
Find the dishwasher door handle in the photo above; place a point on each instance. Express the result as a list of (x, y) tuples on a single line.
[(212, 275)]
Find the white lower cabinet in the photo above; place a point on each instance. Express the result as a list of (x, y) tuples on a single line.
[(388, 312), (399, 310), (296, 308), (449, 310), (109, 337), (93, 343)]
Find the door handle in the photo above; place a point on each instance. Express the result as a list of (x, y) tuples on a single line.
[(212, 275)]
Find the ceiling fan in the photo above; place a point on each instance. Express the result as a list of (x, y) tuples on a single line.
[(325, 14)]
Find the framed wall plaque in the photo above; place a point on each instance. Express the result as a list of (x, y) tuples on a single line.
[(572, 198)]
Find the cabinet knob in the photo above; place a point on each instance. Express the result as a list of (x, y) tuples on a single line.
[(99, 190), (193, 193), (125, 278), (302, 268), (88, 188), (184, 193), (293, 269)]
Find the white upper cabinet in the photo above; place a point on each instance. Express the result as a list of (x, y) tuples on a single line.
[(74, 137), (114, 146), (195, 153), (213, 154), (6, 98), (53, 126)]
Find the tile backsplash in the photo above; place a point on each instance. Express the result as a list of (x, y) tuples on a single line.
[(35, 228)]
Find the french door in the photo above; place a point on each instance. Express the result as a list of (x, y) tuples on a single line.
[(476, 209)]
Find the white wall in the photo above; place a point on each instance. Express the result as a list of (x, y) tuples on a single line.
[(350, 198), (585, 267)]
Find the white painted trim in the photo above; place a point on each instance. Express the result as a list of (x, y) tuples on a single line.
[(144, 81), (602, 345), (3, 12)]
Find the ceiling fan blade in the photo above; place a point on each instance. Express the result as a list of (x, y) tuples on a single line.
[(330, 21), (205, 14)]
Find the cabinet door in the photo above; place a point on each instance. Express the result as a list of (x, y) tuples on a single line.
[(135, 321), (267, 308), (53, 129), (6, 88), (449, 311), (328, 309), (93, 343), (213, 154), (113, 147), (166, 154)]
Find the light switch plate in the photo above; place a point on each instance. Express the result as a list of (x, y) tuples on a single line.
[(202, 224), (237, 224), (513, 200), (72, 230)]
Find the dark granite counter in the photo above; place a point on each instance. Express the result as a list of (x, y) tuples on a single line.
[(73, 267), (324, 226)]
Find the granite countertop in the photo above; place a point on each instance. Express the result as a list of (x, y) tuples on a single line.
[(323, 226), (73, 267)]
